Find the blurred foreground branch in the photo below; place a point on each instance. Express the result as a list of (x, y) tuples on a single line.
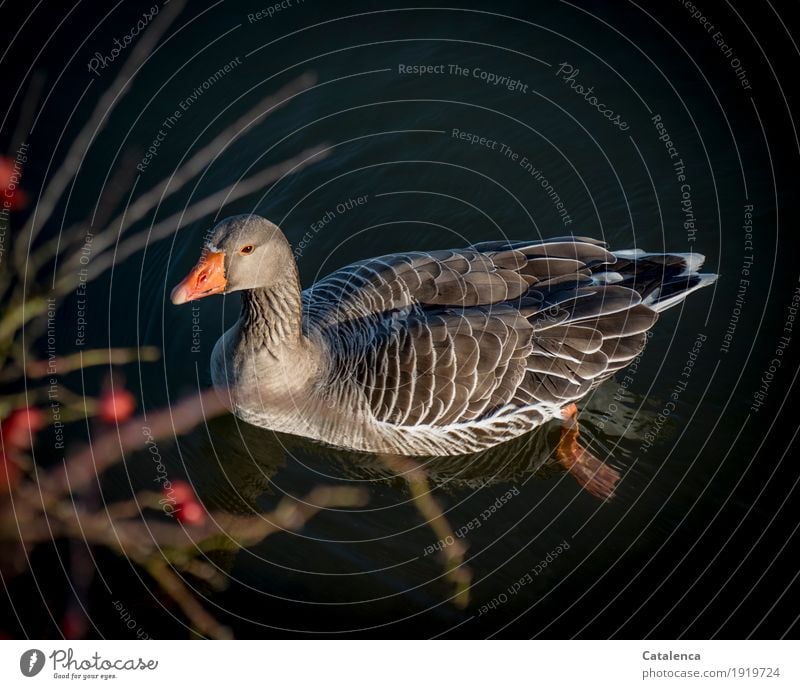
[(48, 498), (453, 548), (163, 536)]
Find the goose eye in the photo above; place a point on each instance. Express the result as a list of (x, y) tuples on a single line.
[(247, 249)]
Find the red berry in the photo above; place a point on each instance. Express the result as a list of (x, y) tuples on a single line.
[(73, 625), (6, 172), (188, 509), (190, 513), (9, 473), (15, 197), (116, 405), (181, 492), (18, 200), (20, 426)]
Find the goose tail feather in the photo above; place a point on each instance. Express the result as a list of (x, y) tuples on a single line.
[(662, 280)]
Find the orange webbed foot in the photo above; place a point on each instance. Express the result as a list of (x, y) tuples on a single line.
[(593, 474)]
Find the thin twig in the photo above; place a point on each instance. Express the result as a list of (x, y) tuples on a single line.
[(159, 545), (91, 357), (453, 548), (93, 126), (202, 621), (195, 165), (82, 467)]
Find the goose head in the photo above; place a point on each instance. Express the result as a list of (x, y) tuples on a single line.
[(243, 252)]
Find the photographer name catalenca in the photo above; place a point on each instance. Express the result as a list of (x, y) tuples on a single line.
[(670, 655), (65, 660)]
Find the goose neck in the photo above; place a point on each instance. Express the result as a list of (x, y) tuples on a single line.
[(273, 315)]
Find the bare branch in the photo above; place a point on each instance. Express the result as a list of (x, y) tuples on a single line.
[(94, 125), (452, 547), (199, 161), (207, 206), (91, 357), (83, 466)]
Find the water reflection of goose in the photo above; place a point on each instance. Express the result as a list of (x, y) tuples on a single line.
[(240, 462), (433, 354)]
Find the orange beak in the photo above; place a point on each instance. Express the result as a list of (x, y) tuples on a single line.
[(207, 277)]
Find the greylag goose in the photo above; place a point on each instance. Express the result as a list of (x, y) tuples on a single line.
[(432, 353)]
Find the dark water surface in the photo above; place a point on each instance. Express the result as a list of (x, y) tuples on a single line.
[(698, 540)]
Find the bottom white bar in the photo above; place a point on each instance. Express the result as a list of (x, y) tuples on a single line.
[(341, 664)]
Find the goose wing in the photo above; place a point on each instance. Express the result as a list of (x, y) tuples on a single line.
[(487, 273), (445, 366), (442, 366), (493, 330)]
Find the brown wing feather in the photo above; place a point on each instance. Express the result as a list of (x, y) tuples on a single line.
[(465, 364), (461, 277), (453, 336)]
